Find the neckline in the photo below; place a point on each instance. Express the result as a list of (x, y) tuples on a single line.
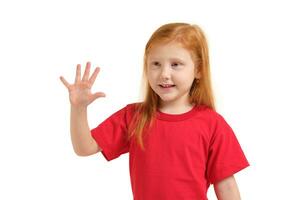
[(176, 117)]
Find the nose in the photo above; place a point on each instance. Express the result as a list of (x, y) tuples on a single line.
[(165, 73)]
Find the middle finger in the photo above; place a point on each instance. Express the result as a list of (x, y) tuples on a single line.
[(86, 71)]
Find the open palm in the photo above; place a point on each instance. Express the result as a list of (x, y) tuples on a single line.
[(80, 92)]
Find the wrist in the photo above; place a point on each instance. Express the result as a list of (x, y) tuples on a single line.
[(78, 108)]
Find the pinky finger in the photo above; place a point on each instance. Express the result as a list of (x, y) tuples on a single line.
[(63, 80)]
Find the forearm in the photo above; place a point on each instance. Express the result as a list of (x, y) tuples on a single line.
[(80, 131), (227, 189)]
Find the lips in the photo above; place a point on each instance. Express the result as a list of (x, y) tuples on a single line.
[(166, 85)]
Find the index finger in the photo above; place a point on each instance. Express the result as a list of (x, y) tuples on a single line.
[(94, 75)]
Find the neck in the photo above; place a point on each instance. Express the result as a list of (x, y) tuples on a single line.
[(175, 108)]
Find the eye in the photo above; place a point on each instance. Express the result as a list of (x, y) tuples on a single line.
[(176, 64), (155, 63)]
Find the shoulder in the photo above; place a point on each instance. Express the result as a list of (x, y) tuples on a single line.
[(131, 108), (133, 105), (208, 113), (212, 118)]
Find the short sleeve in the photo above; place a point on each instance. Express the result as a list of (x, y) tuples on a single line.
[(111, 135), (225, 156)]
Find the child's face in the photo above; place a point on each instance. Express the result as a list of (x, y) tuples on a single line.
[(171, 64)]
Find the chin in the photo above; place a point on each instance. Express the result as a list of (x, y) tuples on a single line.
[(166, 99)]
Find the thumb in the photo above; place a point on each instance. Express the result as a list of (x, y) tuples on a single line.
[(97, 95)]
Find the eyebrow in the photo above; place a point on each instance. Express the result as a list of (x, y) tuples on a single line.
[(173, 58)]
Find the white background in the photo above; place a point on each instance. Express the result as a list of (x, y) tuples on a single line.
[(254, 55)]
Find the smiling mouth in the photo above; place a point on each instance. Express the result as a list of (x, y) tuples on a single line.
[(166, 86)]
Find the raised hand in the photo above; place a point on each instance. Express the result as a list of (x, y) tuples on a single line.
[(80, 92)]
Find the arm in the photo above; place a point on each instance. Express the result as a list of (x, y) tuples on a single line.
[(82, 141), (227, 189), (80, 97)]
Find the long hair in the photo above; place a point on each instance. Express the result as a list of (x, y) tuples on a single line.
[(192, 38)]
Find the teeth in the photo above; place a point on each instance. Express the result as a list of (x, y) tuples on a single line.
[(165, 86)]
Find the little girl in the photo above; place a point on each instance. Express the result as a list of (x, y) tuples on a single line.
[(178, 144)]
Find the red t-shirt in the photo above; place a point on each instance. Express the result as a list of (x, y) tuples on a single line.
[(185, 153)]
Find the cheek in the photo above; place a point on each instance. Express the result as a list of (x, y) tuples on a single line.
[(151, 76), (185, 81), (151, 80)]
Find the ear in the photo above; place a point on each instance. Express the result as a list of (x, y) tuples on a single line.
[(197, 73)]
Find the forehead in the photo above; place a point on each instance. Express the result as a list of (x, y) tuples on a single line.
[(169, 50)]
